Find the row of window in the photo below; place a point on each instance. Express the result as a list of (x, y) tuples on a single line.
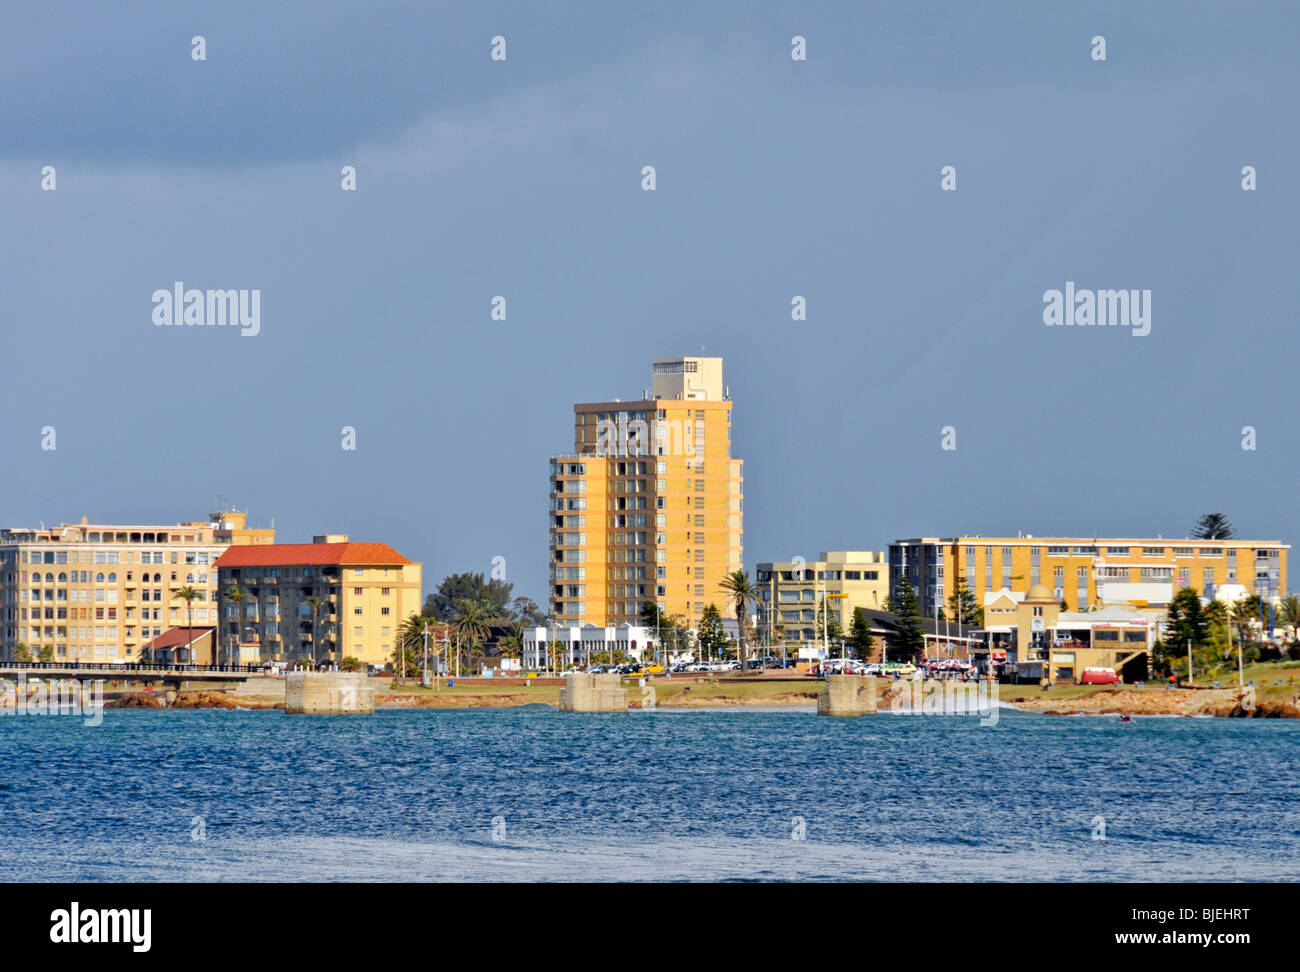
[(34, 557)]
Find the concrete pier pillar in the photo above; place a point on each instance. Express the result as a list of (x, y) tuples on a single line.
[(593, 693), (847, 695), (327, 693)]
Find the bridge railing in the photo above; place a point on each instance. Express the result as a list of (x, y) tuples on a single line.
[(127, 667)]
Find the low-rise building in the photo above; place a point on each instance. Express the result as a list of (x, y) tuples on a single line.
[(1086, 572), (582, 642), (1115, 639), (183, 646), (790, 593), (323, 601)]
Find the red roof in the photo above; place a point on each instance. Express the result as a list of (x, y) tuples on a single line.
[(310, 555), (180, 637)]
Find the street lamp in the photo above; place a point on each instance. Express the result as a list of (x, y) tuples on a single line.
[(826, 623), (425, 680)]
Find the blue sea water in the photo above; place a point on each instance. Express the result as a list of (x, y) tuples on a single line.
[(534, 794)]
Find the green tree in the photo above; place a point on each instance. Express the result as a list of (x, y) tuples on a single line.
[(315, 602), (350, 664), (654, 619), (743, 593), (711, 636), (1288, 615), (511, 644), (23, 652), (963, 608), (909, 643), (1244, 613), (526, 611), (1213, 526), (408, 654), (188, 594), (1216, 632), (238, 595), (457, 590), (860, 635), (45, 653), (472, 624), (1186, 622)]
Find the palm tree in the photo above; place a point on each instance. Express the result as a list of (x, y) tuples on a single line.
[(410, 639), (471, 626), (315, 601), (1288, 613), (188, 594), (512, 642), (237, 594), (743, 593)]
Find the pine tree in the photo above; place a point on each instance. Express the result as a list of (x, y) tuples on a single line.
[(1213, 526), (962, 607), (910, 641), (860, 635)]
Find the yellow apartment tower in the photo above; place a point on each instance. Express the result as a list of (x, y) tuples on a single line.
[(649, 507)]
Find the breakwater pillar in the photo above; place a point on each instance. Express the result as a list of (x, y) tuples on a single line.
[(847, 695), (327, 693), (584, 692)]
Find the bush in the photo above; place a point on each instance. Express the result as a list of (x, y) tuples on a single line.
[(349, 664)]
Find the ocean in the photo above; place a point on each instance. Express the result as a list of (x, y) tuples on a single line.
[(532, 794)]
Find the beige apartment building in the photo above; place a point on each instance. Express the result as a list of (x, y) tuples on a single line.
[(1089, 572), (98, 592), (790, 593), (649, 507), (364, 592)]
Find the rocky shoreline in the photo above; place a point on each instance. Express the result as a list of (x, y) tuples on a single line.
[(1222, 703), (189, 700), (1219, 703)]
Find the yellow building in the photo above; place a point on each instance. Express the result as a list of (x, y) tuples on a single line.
[(1088, 572), (98, 592), (790, 593), (649, 506), (365, 592)]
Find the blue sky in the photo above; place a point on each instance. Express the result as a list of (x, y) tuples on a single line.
[(775, 178)]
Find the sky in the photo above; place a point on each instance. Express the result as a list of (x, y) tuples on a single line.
[(775, 178)]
